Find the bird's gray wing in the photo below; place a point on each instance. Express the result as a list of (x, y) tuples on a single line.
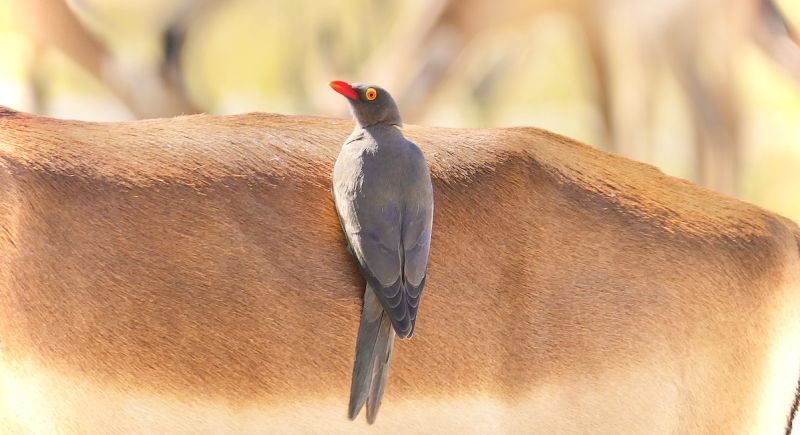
[(389, 234), (376, 243), (392, 248), (416, 235)]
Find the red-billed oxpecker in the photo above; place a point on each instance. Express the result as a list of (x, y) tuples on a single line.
[(384, 198)]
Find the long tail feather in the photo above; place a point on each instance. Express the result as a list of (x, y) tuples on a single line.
[(380, 368), (373, 351)]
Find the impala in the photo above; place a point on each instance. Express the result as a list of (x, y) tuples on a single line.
[(188, 275)]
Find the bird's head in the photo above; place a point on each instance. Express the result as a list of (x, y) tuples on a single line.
[(370, 104)]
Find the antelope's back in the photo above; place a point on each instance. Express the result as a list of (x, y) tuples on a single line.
[(189, 276)]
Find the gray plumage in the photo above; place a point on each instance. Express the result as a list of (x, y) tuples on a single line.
[(384, 198), (373, 348)]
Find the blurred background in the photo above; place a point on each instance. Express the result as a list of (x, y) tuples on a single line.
[(707, 90)]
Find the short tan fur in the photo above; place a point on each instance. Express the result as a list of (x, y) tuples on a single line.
[(189, 275)]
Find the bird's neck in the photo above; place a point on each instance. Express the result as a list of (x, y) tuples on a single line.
[(386, 120), (378, 132), (381, 128)]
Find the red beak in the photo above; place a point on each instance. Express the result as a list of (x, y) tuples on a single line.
[(344, 89)]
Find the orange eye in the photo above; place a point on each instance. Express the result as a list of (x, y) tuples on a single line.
[(371, 94)]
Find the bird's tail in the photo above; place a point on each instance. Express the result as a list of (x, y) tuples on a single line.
[(373, 350)]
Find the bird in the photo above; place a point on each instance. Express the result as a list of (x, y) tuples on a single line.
[(384, 199)]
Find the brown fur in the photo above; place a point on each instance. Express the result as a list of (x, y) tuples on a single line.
[(199, 259)]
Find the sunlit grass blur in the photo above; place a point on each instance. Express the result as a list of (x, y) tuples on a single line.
[(278, 56)]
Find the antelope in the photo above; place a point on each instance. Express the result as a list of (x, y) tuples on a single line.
[(72, 27), (630, 45), (188, 275)]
